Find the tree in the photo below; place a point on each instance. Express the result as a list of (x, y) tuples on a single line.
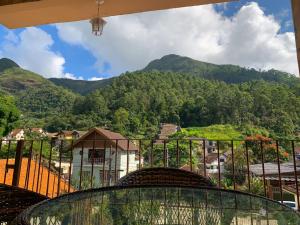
[(240, 167), (9, 114), (93, 104), (56, 123), (265, 147), (121, 120)]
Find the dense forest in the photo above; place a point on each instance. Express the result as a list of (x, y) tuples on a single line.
[(173, 89)]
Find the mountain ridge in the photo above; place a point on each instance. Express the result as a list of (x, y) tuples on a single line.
[(6, 63), (225, 72), (15, 79), (137, 102), (82, 87), (231, 74), (33, 92)]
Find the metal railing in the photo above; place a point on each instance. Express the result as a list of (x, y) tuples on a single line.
[(269, 168)]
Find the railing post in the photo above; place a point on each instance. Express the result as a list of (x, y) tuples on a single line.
[(18, 163)]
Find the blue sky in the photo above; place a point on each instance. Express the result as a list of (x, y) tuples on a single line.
[(130, 42), (281, 9)]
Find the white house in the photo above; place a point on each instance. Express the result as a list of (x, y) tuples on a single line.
[(212, 163), (106, 154), (16, 134), (69, 134), (20, 133), (210, 146)]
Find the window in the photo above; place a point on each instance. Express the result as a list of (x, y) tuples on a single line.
[(96, 155)]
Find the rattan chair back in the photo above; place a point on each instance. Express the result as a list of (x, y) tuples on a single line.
[(164, 177), (14, 200)]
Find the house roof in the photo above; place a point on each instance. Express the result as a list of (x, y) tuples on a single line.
[(80, 132), (35, 183), (109, 135), (272, 169), (51, 135), (211, 158), (166, 130), (25, 13), (66, 132), (290, 188), (15, 132), (297, 150), (36, 129)]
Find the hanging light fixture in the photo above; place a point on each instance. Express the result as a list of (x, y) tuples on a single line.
[(98, 22)]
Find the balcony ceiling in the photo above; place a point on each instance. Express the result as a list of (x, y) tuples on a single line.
[(25, 13)]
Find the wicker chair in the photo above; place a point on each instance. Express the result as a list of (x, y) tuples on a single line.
[(14, 200), (164, 177)]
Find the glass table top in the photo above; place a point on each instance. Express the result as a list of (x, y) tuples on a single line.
[(160, 205)]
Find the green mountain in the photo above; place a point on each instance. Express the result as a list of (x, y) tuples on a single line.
[(33, 93), (82, 87), (173, 63), (7, 64), (15, 80), (136, 103), (226, 73)]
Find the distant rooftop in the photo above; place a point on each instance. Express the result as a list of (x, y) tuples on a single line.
[(272, 169)]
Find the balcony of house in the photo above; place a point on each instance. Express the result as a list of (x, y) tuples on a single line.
[(102, 159), (265, 167)]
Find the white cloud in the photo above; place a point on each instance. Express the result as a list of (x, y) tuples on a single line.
[(250, 38), (12, 37), (72, 76), (31, 49), (95, 78)]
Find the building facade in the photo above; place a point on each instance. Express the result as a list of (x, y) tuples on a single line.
[(101, 157)]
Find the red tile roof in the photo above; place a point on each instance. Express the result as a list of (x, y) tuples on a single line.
[(123, 143), (36, 129), (167, 130), (211, 157), (15, 132), (68, 133)]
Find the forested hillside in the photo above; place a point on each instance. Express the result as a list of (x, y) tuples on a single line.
[(82, 87), (140, 100), (226, 73), (36, 97), (178, 64), (135, 103), (7, 64), (9, 114)]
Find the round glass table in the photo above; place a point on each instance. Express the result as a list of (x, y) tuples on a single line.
[(159, 205)]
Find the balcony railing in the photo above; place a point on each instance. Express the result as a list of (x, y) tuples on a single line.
[(95, 161), (268, 168)]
